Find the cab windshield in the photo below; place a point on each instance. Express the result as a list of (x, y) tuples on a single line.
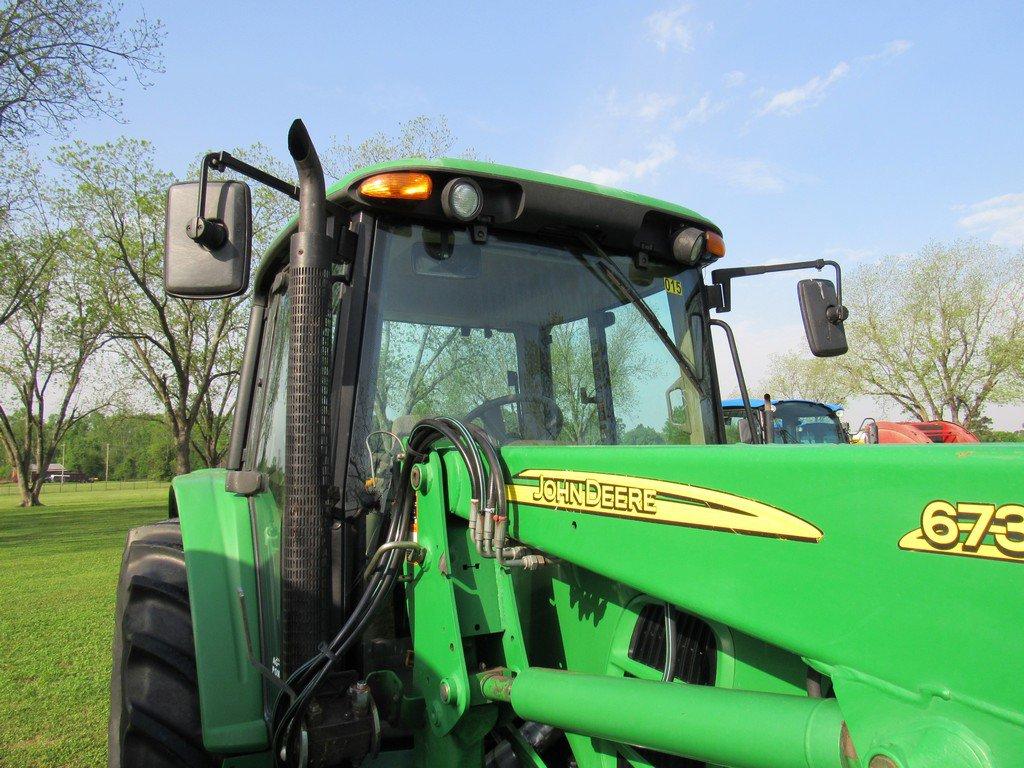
[(530, 340), (798, 421)]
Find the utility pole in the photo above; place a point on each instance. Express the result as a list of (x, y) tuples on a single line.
[(106, 466)]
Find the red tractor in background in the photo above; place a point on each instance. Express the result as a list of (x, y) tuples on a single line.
[(916, 432)]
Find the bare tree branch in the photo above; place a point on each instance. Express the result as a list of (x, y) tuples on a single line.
[(62, 59)]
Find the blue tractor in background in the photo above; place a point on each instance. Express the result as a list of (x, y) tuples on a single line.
[(793, 421)]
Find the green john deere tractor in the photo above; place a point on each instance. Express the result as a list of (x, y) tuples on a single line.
[(479, 510)]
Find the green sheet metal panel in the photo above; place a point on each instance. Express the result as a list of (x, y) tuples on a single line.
[(828, 553), (216, 531)]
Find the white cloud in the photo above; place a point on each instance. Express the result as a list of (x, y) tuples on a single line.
[(735, 78), (1001, 218), (699, 113), (746, 174), (654, 105), (751, 175), (645, 106), (794, 100), (893, 49), (625, 170), (673, 28)]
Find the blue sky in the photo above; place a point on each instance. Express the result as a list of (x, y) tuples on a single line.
[(848, 131)]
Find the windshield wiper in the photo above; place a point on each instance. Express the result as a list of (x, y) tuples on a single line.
[(622, 283)]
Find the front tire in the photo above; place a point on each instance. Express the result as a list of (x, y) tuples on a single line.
[(154, 695)]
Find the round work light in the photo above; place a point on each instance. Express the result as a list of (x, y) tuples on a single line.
[(691, 245), (462, 199), (688, 246)]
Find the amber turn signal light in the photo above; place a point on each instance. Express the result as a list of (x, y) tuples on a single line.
[(400, 185), (714, 244)]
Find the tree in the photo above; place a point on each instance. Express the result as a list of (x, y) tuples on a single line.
[(641, 434), (116, 195), (17, 279), (572, 371), (138, 446), (986, 432), (22, 209), (422, 136), (65, 59), (432, 369), (796, 375), (45, 349), (213, 421), (938, 333)]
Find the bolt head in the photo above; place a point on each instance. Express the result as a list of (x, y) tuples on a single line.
[(416, 478), (446, 692), (882, 761)]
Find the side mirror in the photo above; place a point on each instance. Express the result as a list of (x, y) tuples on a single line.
[(212, 263), (823, 317)]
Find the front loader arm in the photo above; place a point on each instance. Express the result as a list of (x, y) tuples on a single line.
[(831, 558)]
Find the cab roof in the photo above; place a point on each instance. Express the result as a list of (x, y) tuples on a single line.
[(581, 203), (737, 402)]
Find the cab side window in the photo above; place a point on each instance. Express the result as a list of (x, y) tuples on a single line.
[(266, 444)]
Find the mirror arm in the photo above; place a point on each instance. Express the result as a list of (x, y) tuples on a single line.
[(840, 313), (723, 279), (222, 161), (209, 232), (740, 379)]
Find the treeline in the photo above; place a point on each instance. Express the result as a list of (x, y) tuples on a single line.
[(116, 446), (139, 447)]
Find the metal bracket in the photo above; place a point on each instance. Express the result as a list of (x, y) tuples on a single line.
[(244, 482), (207, 229), (266, 673), (723, 278)]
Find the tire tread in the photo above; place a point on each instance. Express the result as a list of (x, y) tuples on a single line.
[(154, 708)]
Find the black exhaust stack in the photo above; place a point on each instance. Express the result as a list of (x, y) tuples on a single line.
[(304, 553)]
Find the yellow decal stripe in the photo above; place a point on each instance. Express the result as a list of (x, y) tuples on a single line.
[(658, 501), (915, 541), (969, 529)]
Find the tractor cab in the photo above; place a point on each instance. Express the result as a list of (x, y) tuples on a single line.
[(531, 319)]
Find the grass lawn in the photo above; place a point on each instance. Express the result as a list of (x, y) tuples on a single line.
[(58, 573)]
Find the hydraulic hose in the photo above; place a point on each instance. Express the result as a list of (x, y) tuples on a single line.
[(307, 678)]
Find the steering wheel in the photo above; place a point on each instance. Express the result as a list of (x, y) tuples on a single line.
[(489, 412)]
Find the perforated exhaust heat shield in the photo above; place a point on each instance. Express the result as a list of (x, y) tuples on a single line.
[(304, 553)]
